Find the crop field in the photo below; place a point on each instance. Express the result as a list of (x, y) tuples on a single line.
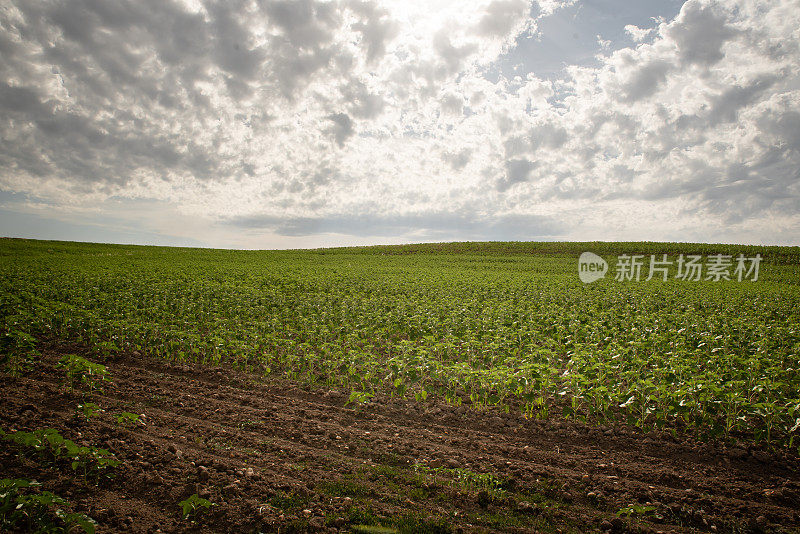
[(473, 387)]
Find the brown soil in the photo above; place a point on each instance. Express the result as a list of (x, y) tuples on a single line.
[(274, 456)]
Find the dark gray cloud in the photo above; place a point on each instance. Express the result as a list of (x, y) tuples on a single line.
[(646, 81), (726, 107), (700, 32), (547, 136), (453, 56), (375, 27), (517, 171), (42, 138), (342, 127), (360, 101), (306, 24), (459, 159), (501, 16)]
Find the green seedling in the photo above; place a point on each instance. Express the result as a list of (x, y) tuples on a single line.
[(359, 398), (93, 463), (106, 348), (17, 352), (22, 509), (128, 419), (46, 442), (78, 369), (89, 410), (636, 510), (191, 507)]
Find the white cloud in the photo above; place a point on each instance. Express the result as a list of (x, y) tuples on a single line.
[(639, 35)]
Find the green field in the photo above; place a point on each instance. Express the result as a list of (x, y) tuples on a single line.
[(489, 324)]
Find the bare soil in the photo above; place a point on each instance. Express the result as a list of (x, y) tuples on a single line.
[(277, 457)]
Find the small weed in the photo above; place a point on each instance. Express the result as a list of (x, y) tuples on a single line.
[(369, 529), (465, 479), (288, 501), (637, 510), (366, 522), (218, 444), (248, 424), (363, 517), (412, 523), (156, 399), (249, 451), (344, 488)]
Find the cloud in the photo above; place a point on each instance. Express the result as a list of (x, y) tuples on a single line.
[(639, 35), (406, 118), (342, 127), (501, 16), (452, 104), (361, 102), (700, 33), (725, 108), (454, 56), (434, 226), (376, 27), (517, 171), (458, 160), (645, 80)]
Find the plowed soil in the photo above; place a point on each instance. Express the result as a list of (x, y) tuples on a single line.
[(276, 457)]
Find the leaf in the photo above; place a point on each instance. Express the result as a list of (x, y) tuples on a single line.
[(87, 524), (796, 425)]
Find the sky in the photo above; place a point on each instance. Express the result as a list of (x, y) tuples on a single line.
[(266, 124)]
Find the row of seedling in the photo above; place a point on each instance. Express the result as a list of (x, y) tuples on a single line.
[(92, 463)]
